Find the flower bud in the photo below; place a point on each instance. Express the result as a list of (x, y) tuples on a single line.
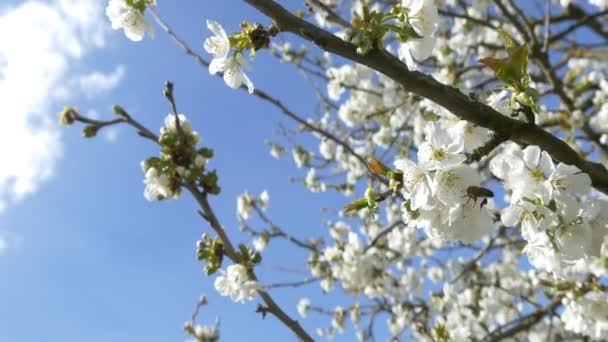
[(118, 110), (376, 166), (90, 131), (67, 116)]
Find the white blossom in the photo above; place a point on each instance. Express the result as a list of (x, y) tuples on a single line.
[(587, 315), (124, 16), (231, 66), (244, 206), (303, 307), (423, 17), (235, 282), (417, 184), (440, 150), (158, 185), (264, 199), (260, 243)]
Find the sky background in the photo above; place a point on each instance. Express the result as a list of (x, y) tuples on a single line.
[(84, 257)]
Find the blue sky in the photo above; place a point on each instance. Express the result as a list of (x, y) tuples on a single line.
[(86, 257)]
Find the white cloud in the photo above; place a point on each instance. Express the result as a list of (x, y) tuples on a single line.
[(39, 45), (97, 83)]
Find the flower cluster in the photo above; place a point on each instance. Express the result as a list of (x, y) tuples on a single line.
[(560, 228), (414, 23), (245, 203), (129, 15), (441, 191), (179, 163), (423, 19), (236, 283), (587, 315), (228, 52)]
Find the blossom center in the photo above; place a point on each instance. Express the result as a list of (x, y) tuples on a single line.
[(449, 179), (439, 154), (537, 174), (559, 183)]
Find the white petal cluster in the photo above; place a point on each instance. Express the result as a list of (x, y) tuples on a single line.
[(560, 229), (437, 189), (231, 66), (587, 315), (125, 16), (357, 270), (235, 282), (158, 185), (158, 181), (245, 203), (303, 307), (423, 18)]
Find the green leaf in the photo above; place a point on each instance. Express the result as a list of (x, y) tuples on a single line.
[(507, 41), (206, 152), (256, 258)]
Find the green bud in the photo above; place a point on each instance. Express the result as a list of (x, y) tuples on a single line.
[(256, 258), (365, 46), (371, 201), (90, 131), (529, 97), (118, 110), (168, 90), (209, 183)]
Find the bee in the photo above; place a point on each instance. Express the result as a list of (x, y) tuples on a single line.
[(260, 37), (476, 192)]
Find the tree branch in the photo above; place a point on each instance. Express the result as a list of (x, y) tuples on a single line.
[(448, 97)]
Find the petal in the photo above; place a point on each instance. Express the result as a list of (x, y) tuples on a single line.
[(456, 145), (403, 164), (233, 75), (216, 46), (579, 183), (424, 152), (406, 55), (242, 61), (134, 35), (217, 65), (531, 156), (545, 163), (566, 170), (422, 48), (453, 160), (511, 215), (248, 83), (436, 135), (544, 191), (420, 196), (217, 29)]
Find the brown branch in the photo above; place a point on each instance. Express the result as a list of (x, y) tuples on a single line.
[(271, 306), (523, 323), (382, 234), (331, 16), (277, 231), (293, 284)]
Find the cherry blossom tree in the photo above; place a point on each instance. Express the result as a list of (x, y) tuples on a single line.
[(452, 127)]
